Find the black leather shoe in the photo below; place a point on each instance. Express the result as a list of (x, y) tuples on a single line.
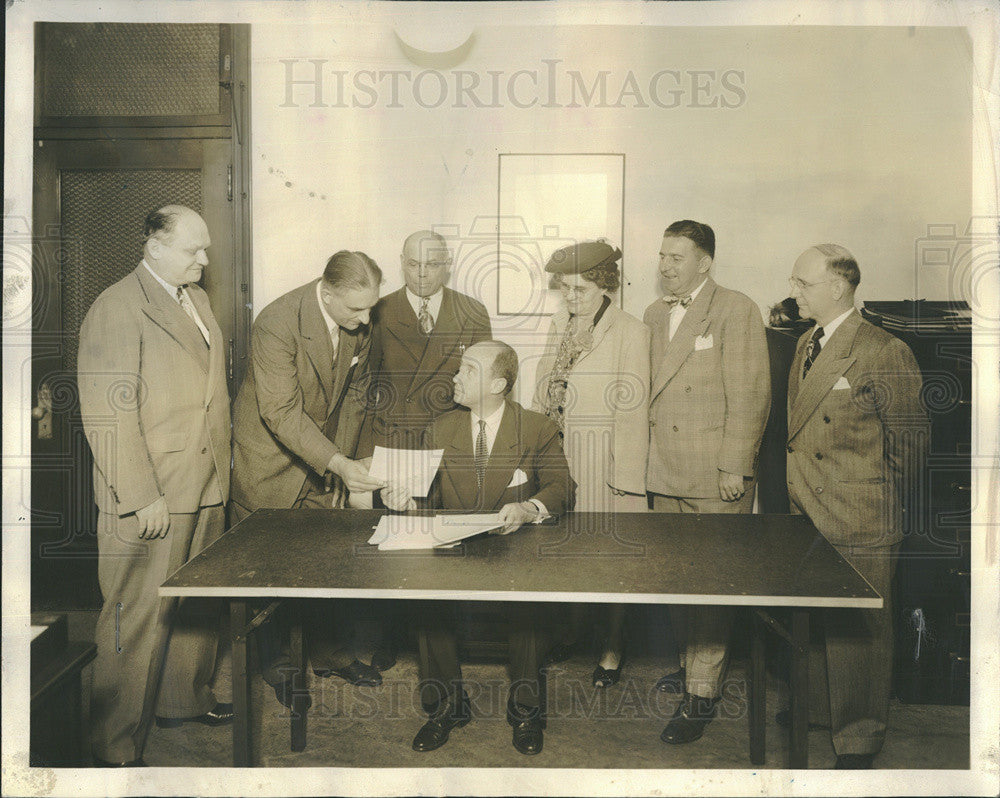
[(527, 724), (606, 677), (383, 659), (784, 719), (357, 673), (219, 715), (854, 762), (689, 720), (434, 733), (283, 692), (673, 682), (132, 763)]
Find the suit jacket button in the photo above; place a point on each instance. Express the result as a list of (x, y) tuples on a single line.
[(652, 423), (826, 419), (687, 389), (789, 449), (819, 455), (819, 489), (205, 450), (675, 428)]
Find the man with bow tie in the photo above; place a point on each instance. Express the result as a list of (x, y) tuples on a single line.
[(709, 398), (155, 408), (297, 425), (857, 434)]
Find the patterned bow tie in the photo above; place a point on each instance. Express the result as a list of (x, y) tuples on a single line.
[(673, 301)]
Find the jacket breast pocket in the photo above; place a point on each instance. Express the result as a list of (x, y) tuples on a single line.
[(167, 442)]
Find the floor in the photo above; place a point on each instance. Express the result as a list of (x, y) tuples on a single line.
[(617, 727)]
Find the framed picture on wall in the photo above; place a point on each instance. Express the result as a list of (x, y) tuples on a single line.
[(547, 201)]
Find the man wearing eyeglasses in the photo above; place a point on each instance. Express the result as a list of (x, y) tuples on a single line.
[(709, 396), (856, 435)]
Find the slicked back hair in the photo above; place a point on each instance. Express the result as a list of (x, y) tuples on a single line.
[(701, 235), (504, 365), (841, 262), (352, 271)]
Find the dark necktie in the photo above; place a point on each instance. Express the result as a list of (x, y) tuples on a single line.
[(812, 351), (674, 301), (481, 455)]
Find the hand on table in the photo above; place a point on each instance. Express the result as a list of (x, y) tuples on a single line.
[(731, 486), (397, 497), (154, 520), (516, 514)]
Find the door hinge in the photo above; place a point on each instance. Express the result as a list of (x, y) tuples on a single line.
[(229, 182)]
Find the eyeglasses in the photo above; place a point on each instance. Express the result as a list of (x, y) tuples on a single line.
[(795, 282), (435, 264), (575, 289)]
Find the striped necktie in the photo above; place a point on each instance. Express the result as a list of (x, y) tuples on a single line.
[(481, 455), (812, 351)]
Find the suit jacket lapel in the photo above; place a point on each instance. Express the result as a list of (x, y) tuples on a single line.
[(347, 349), (316, 339), (694, 323), (435, 353), (503, 456), (400, 322), (215, 349), (165, 311), (832, 362), (464, 479), (600, 330)]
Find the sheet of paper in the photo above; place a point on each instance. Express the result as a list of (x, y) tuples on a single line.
[(414, 468), (398, 532)]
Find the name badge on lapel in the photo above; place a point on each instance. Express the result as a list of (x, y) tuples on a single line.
[(703, 342)]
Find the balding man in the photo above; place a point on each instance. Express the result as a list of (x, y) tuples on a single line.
[(856, 434), (421, 331), (297, 424), (155, 409)]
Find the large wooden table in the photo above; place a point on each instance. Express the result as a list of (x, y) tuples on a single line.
[(754, 561)]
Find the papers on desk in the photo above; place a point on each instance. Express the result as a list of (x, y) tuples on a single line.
[(398, 532), (414, 468)]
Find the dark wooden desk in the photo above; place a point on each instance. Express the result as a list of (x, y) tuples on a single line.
[(757, 561)]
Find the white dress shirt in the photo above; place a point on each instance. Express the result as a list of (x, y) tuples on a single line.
[(172, 290), (678, 312), (332, 327), (829, 329), (433, 305)]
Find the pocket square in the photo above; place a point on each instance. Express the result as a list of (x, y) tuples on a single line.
[(842, 384), (519, 478), (354, 360), (703, 342)]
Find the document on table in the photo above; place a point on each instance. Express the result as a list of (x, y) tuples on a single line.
[(414, 468), (396, 532)]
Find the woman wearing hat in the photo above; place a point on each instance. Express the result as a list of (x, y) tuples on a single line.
[(593, 382)]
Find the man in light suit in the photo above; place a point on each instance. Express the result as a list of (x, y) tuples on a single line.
[(498, 458), (856, 437), (709, 397), (155, 409), (296, 426), (420, 334)]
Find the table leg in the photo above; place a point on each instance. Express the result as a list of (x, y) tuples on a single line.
[(242, 753), (758, 694), (300, 692), (798, 757)]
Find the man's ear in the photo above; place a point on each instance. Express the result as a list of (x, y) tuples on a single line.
[(704, 264), (498, 385), (155, 247)]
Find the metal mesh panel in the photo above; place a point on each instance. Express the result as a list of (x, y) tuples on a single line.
[(102, 213), (114, 69)]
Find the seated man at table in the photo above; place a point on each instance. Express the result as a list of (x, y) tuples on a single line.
[(498, 458)]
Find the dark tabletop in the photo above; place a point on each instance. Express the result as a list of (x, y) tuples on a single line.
[(763, 560)]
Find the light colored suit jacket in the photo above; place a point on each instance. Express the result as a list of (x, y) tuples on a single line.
[(527, 446), (412, 372), (710, 392), (856, 433), (606, 433), (153, 398), (292, 392)]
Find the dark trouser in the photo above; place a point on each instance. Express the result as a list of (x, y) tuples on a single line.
[(850, 669), (440, 671)]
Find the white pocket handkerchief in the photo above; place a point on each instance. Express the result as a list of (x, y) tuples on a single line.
[(842, 384), (519, 478), (354, 360), (703, 342)]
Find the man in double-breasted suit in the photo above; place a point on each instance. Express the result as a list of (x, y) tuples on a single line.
[(297, 423), (420, 334), (856, 437), (498, 458), (155, 409), (709, 396)]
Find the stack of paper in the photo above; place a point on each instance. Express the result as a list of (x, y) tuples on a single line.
[(411, 468), (396, 532)]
